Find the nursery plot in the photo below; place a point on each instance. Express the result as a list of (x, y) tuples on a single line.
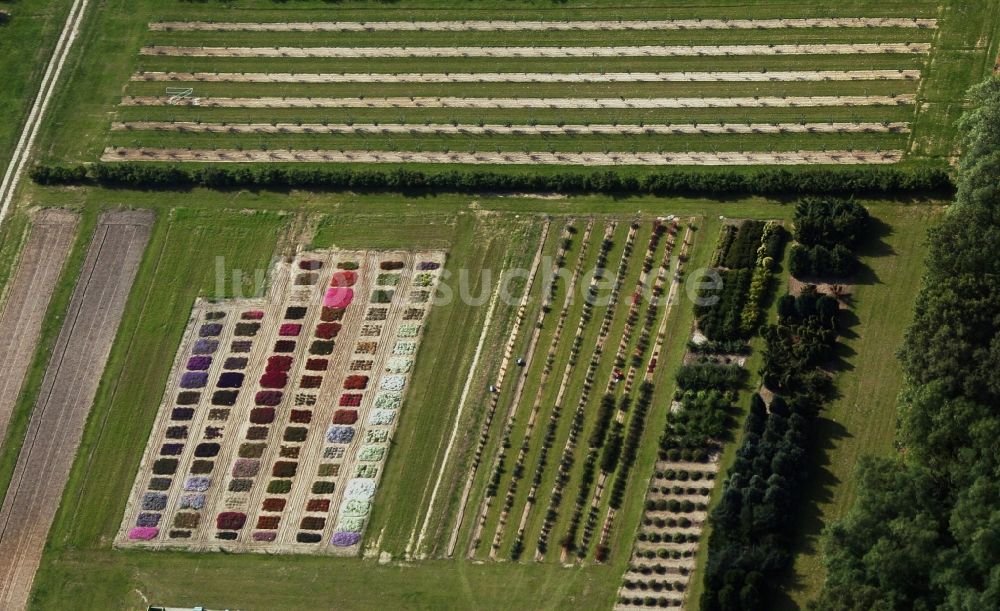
[(278, 414), (64, 400), (42, 258), (442, 86)]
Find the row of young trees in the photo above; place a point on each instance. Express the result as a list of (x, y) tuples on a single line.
[(748, 546), (924, 532), (874, 180)]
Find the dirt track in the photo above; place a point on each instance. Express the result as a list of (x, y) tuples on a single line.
[(593, 103), (514, 130), (532, 77), (65, 398), (543, 158), (513, 26), (623, 51), (42, 258)]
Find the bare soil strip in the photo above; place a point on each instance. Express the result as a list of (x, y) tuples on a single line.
[(623, 51), (65, 397), (589, 103), (583, 159), (514, 26), (532, 77), (515, 130), (42, 258)]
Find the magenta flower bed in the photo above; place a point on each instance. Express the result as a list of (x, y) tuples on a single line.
[(337, 297), (230, 520), (345, 539), (194, 379), (268, 397), (344, 278), (252, 315), (199, 363), (143, 533), (289, 329)]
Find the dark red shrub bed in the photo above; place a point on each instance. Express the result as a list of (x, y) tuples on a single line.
[(301, 416), (252, 450), (295, 433), (230, 379), (279, 486), (165, 466), (318, 505), (262, 415), (295, 312), (230, 520), (252, 315), (201, 467), (356, 382), (274, 379), (312, 523), (224, 397), (177, 432), (246, 329), (235, 362), (171, 449), (181, 413), (345, 416), (188, 397), (256, 433), (268, 397), (273, 505), (343, 278), (321, 348), (310, 381), (308, 537), (328, 330), (159, 483), (317, 364), (322, 487), (284, 468), (206, 450), (329, 314), (278, 363), (350, 400), (240, 345), (310, 264), (284, 345), (268, 522), (388, 266)]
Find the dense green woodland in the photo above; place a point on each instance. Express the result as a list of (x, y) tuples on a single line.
[(925, 530)]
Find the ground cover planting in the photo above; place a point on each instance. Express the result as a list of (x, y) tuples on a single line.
[(276, 423)]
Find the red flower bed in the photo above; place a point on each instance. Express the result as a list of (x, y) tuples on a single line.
[(318, 505), (252, 315), (268, 397), (328, 330), (350, 400), (268, 522), (328, 314), (230, 520), (289, 329), (274, 504), (274, 379), (301, 416), (312, 523), (317, 364), (345, 416), (310, 381), (262, 415), (279, 363), (343, 278), (356, 382)]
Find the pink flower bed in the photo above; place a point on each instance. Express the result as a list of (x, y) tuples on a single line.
[(289, 329), (338, 297), (143, 533)]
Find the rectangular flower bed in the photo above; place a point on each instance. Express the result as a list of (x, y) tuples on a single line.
[(328, 330), (343, 279), (252, 315), (338, 297)]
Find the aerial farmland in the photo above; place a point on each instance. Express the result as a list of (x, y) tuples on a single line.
[(528, 304)]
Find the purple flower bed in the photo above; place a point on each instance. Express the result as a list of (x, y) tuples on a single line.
[(240, 345), (199, 363), (246, 467), (194, 379), (143, 533), (230, 379), (177, 432), (171, 449), (345, 539), (148, 519), (426, 266), (198, 483), (154, 501), (212, 329), (340, 434), (206, 346), (265, 536), (182, 413), (206, 450), (269, 398), (192, 501)]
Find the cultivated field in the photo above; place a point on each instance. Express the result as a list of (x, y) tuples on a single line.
[(65, 398)]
